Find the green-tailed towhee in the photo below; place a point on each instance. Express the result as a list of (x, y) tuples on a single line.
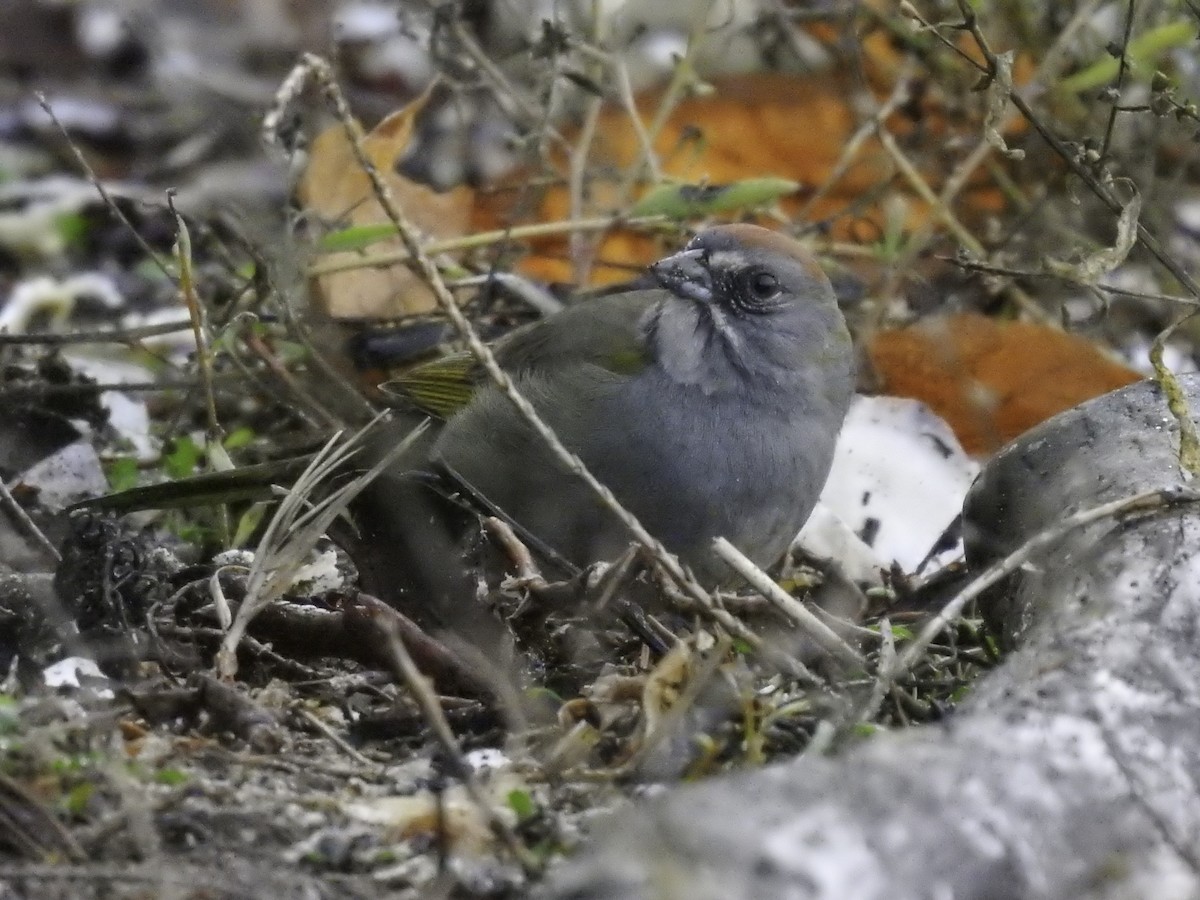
[(708, 397)]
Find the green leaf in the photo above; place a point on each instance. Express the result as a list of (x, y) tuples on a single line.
[(248, 523), (356, 237), (77, 798), (152, 270), (10, 720), (183, 457), (171, 777), (192, 532), (686, 201), (238, 438), (1143, 50), (522, 804), (122, 474), (72, 228), (899, 632)]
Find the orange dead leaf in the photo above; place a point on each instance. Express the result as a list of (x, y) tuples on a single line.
[(750, 126), (992, 380), (338, 191)]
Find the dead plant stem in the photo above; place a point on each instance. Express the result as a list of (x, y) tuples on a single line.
[(420, 259)]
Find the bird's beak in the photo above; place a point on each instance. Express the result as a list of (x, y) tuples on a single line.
[(685, 275)]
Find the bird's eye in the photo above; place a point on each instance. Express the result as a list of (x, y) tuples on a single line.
[(762, 285)]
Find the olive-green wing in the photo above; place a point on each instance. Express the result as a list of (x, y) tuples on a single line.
[(438, 388), (602, 332)]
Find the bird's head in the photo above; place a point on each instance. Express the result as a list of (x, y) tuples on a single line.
[(744, 305)]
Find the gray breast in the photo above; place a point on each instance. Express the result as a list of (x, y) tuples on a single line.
[(689, 466)]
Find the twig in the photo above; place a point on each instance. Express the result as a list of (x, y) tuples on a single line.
[(582, 252), (533, 295), (187, 288), (31, 829), (882, 683), (82, 162), (234, 711), (204, 359), (502, 86), (1145, 237), (900, 94), (1122, 71), (290, 89), (907, 8), (489, 238), (645, 141), (422, 691), (9, 502), (826, 637), (958, 178), (661, 727), (972, 265), (943, 212), (527, 575), (501, 684), (258, 347), (105, 336), (1144, 502), (368, 623), (682, 79), (620, 74), (923, 190), (336, 739)]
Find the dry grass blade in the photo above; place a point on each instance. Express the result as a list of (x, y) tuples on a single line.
[(658, 724), (483, 239), (825, 636), (297, 525)]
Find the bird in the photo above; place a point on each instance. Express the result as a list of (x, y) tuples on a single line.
[(707, 396)]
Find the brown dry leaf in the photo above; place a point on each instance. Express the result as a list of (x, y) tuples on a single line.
[(336, 189), (750, 126), (992, 380), (786, 126), (451, 815)]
